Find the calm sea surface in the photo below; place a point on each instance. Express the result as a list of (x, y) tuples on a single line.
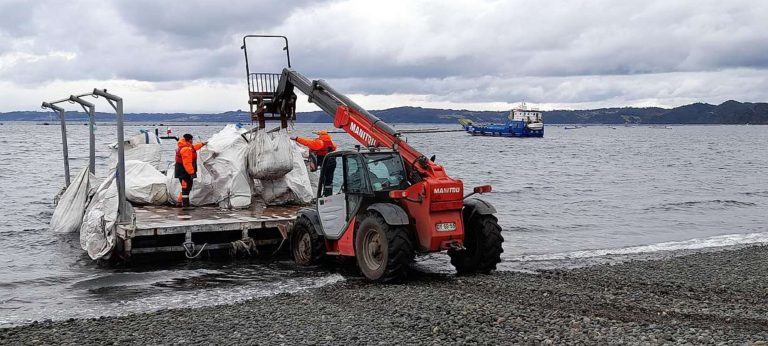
[(578, 193)]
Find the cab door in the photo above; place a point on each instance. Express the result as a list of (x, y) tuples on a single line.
[(344, 185), (332, 201)]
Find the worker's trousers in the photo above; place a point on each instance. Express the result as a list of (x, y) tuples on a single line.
[(186, 189)]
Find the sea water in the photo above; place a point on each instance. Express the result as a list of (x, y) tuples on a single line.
[(587, 192)]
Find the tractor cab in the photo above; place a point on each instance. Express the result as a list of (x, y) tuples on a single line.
[(350, 181)]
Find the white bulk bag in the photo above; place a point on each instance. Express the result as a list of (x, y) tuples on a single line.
[(142, 147), (68, 215), (238, 193), (202, 193), (224, 158), (97, 234), (269, 155), (295, 187), (144, 184)]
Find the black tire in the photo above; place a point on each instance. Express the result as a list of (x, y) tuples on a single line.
[(482, 242), (382, 261), (307, 247)]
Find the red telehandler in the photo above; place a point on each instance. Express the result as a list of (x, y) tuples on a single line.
[(381, 204)]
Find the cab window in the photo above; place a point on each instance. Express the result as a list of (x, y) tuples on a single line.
[(386, 172), (333, 176), (355, 178)]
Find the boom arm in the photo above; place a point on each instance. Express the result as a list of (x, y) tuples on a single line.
[(365, 127)]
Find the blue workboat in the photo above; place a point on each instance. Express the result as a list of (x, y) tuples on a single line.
[(523, 122)]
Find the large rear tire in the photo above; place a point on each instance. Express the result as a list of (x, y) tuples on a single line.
[(383, 252), (482, 242), (307, 247)]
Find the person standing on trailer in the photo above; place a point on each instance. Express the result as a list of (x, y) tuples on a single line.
[(186, 166), (318, 147)]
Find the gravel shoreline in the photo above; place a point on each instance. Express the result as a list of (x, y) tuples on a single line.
[(711, 297)]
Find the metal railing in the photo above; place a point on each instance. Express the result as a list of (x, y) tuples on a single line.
[(117, 104), (263, 82)]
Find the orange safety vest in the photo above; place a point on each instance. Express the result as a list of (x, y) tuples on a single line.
[(320, 146), (328, 147), (184, 161)]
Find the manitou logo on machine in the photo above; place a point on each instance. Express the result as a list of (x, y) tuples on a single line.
[(363, 135), (447, 190)]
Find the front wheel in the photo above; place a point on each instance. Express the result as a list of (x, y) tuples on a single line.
[(482, 242), (307, 247), (383, 252)]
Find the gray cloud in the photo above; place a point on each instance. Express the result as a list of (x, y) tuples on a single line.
[(490, 51)]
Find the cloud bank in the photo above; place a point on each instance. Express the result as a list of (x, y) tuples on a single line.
[(185, 55)]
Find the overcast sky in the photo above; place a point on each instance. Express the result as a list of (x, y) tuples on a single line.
[(168, 56)]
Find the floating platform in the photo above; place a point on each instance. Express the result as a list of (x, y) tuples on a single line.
[(167, 229)]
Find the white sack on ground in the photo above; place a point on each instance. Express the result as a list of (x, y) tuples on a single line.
[(142, 147), (68, 215), (269, 155), (144, 184), (97, 234), (295, 187)]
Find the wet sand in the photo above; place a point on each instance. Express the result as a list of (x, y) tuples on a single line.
[(710, 297)]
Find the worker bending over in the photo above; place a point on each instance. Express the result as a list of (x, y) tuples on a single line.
[(318, 147), (186, 166)]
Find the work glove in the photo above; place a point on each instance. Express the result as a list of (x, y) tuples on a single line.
[(294, 138)]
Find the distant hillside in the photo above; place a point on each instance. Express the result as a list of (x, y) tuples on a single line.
[(415, 115), (729, 112)]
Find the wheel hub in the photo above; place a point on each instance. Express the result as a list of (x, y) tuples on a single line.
[(304, 247), (373, 253)]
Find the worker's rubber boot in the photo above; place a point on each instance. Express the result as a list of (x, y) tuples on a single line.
[(185, 203)]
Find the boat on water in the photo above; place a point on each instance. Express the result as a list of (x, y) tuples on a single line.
[(523, 122)]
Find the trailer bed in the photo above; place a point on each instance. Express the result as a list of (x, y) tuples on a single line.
[(163, 229)]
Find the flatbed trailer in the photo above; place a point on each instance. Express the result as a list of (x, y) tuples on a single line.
[(168, 229), (145, 230)]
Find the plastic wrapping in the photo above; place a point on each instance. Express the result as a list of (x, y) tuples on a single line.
[(269, 155), (202, 193), (238, 193), (224, 157), (144, 184), (97, 234), (68, 215), (221, 172), (142, 147), (294, 188)]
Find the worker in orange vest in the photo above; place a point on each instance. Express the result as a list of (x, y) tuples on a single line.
[(319, 147), (186, 166)]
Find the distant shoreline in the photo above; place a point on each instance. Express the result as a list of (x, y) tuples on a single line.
[(726, 113)]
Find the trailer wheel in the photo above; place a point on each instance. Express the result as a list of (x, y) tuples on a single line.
[(482, 240), (307, 247), (383, 252)]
